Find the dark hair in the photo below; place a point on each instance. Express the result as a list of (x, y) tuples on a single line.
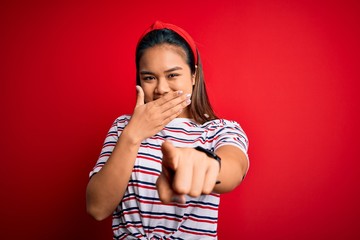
[(200, 108)]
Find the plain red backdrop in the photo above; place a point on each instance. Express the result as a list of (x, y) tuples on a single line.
[(287, 71)]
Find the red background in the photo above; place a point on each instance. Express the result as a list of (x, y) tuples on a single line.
[(287, 71)]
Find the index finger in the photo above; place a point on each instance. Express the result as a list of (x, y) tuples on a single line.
[(168, 97)]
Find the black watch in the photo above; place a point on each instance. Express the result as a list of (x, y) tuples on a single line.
[(209, 153)]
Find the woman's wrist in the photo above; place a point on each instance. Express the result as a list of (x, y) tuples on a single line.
[(210, 154), (130, 138)]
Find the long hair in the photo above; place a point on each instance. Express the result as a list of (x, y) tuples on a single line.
[(200, 107)]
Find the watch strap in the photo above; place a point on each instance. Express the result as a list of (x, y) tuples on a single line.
[(209, 153)]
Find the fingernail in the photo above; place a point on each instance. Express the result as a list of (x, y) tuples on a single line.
[(188, 101), (188, 96), (179, 92), (177, 199)]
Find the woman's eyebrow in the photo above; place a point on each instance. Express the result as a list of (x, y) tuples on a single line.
[(146, 72), (173, 69)]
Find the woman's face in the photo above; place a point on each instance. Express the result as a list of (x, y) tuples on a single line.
[(162, 69)]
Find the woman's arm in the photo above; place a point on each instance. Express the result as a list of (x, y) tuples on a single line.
[(234, 165), (107, 187), (187, 171)]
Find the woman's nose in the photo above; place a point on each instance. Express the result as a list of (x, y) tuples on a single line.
[(162, 86)]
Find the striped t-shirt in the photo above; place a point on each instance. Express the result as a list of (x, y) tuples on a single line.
[(140, 214)]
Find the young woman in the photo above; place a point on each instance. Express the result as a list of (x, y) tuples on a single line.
[(162, 169)]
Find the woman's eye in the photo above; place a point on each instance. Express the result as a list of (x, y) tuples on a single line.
[(173, 75), (147, 78)]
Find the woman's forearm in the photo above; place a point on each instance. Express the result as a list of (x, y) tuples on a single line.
[(106, 188), (234, 165)]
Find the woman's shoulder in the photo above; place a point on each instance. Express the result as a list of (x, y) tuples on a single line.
[(122, 120), (220, 123), (123, 117)]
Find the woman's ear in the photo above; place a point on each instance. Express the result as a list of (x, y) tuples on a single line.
[(193, 77)]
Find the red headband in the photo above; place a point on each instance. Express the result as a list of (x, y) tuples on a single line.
[(160, 25)]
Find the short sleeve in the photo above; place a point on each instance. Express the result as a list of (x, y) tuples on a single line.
[(110, 142), (231, 133)]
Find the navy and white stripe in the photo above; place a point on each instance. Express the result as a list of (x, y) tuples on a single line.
[(141, 214)]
